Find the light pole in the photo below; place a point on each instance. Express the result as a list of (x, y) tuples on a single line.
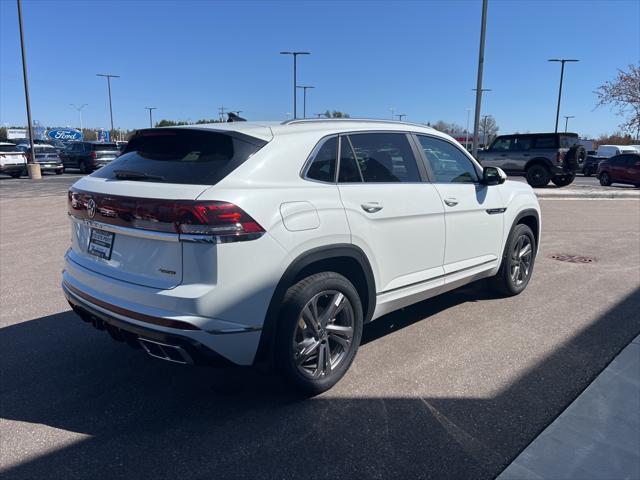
[(566, 121), (476, 122), (304, 96), (151, 109), (33, 167), (562, 61), (109, 77), (484, 130), (392, 113), (79, 109), (400, 115), (295, 81)]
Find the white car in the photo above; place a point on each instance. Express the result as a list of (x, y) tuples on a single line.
[(248, 242), (12, 160)]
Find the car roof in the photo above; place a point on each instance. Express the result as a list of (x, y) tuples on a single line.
[(267, 130)]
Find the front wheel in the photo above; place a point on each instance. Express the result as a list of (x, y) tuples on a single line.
[(538, 176), (319, 331), (563, 180), (517, 262), (605, 179)]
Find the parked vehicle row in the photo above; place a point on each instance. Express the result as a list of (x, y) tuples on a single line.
[(246, 243), (540, 157), (602, 153), (89, 156)]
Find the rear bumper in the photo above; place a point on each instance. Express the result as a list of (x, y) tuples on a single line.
[(20, 167), (49, 167), (203, 347)]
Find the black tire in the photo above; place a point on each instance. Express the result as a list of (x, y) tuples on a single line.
[(16, 175), (587, 172), (59, 172), (576, 156), (294, 335), (605, 179), (83, 167), (504, 281), (538, 175), (563, 180)]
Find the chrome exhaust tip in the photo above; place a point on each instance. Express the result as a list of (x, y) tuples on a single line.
[(163, 351)]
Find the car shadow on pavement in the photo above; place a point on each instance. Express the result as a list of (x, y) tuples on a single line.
[(146, 419)]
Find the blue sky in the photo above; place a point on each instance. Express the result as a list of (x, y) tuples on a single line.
[(420, 57)]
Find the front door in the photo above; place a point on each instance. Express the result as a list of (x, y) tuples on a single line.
[(473, 212)]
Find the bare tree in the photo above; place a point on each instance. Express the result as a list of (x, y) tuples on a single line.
[(623, 93), (446, 127), (488, 129)]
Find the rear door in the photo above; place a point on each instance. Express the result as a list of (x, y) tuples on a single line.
[(124, 216), (394, 216), (473, 212), (519, 153)]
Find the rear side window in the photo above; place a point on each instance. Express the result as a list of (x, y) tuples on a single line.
[(380, 158), (9, 148), (501, 144), (323, 165), (545, 141), (183, 156), (521, 143), (568, 141)]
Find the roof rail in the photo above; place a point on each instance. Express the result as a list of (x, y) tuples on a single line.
[(365, 120)]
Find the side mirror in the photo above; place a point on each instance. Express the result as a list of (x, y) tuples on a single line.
[(493, 176)]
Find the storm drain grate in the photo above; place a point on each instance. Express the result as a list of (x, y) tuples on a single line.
[(566, 257)]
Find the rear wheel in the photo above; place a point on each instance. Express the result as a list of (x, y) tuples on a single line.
[(538, 175), (16, 175), (563, 180), (605, 179), (319, 331), (517, 262), (83, 167)]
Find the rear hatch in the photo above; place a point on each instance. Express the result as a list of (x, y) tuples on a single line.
[(47, 156), (10, 155), (105, 152), (128, 217)]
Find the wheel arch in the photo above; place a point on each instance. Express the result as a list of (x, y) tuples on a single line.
[(345, 259), (545, 162)]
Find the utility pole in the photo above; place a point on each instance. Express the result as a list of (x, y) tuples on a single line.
[(32, 166), (151, 109), (562, 61), (221, 110), (295, 81), (393, 116), (304, 103), (484, 130), (109, 77), (566, 121), (400, 115), (476, 123), (466, 139)]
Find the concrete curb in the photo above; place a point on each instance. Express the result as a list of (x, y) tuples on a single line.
[(575, 193)]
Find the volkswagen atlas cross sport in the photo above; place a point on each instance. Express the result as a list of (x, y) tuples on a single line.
[(263, 244)]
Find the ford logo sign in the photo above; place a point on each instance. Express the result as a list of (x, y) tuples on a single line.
[(65, 134)]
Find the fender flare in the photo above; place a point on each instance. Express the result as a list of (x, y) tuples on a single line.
[(543, 160), (528, 212), (267, 339)]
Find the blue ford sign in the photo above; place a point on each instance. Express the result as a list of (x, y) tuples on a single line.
[(65, 134)]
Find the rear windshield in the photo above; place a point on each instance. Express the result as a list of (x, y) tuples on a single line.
[(104, 146), (183, 156), (9, 148)]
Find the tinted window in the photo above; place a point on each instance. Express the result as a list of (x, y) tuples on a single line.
[(385, 157), (447, 162), (105, 146), (545, 141), (181, 156), (568, 141), (617, 160), (323, 165), (9, 148), (349, 169), (501, 144), (521, 143)]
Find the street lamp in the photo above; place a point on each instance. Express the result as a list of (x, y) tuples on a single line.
[(566, 121), (400, 115), (109, 77), (484, 130), (32, 166), (562, 61), (304, 103), (295, 82), (466, 138), (151, 109), (79, 109), (476, 119)]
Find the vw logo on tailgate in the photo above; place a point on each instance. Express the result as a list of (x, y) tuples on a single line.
[(91, 208)]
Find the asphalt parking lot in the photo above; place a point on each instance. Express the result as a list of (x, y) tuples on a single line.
[(454, 387)]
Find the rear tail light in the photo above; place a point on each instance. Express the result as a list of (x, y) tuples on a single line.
[(224, 220), (560, 157), (93, 155)]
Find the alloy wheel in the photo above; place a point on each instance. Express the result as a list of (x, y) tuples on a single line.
[(324, 334), (521, 259)]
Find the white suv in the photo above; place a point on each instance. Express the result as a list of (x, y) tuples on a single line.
[(249, 242)]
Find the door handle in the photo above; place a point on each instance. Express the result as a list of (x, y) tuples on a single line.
[(451, 202), (371, 207)]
